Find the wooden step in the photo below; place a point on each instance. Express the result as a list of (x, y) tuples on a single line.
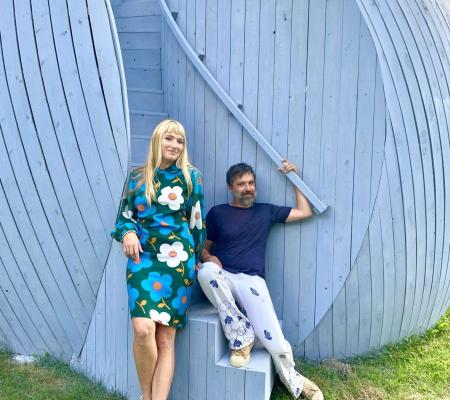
[(136, 8), (145, 23), (202, 369), (143, 78), (140, 40), (150, 58), (150, 100)]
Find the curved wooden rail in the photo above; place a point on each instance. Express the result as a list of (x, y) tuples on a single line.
[(318, 205)]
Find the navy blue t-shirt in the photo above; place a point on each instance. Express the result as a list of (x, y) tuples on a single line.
[(240, 235)]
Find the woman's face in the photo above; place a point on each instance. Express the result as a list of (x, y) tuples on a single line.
[(172, 145)]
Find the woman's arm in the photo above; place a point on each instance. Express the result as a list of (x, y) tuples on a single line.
[(196, 214)]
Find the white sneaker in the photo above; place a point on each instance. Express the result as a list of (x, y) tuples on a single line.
[(240, 358)]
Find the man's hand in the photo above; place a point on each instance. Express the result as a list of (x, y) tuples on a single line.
[(131, 245), (287, 167)]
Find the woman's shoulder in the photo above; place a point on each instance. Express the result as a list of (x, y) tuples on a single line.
[(194, 172)]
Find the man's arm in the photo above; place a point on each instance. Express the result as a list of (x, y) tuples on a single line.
[(302, 209), (206, 253)]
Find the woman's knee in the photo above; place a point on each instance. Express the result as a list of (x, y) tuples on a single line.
[(144, 329), (165, 338)]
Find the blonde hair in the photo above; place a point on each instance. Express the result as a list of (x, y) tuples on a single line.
[(154, 158)]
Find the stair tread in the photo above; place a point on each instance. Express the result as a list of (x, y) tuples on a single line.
[(154, 113), (144, 90)]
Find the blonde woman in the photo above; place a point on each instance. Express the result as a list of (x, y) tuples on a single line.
[(160, 224)]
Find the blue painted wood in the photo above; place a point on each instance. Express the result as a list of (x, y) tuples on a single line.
[(198, 355), (57, 242), (280, 127), (299, 48)]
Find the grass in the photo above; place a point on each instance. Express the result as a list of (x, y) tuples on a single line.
[(417, 368), (46, 380)]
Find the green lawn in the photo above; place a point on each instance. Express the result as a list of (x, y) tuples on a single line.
[(417, 368)]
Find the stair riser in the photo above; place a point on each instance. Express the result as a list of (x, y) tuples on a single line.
[(142, 58), (136, 8), (138, 24), (140, 41), (143, 78), (143, 125), (151, 102)]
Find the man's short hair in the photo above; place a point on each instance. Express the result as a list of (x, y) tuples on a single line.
[(237, 170)]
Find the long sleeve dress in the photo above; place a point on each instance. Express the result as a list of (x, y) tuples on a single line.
[(171, 232)]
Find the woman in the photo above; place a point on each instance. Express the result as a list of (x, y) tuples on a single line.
[(161, 227)]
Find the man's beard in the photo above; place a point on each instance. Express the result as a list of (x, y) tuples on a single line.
[(246, 200)]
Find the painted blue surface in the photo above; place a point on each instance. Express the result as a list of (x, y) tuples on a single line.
[(354, 92)]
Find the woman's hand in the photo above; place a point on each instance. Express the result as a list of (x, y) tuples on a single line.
[(131, 245)]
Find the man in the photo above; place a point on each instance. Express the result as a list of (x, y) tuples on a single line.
[(234, 273)]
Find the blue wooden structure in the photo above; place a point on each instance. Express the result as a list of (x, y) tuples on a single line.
[(355, 92)]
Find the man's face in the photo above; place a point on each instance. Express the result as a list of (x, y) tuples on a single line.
[(243, 189)]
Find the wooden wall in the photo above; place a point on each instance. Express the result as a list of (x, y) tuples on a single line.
[(327, 82), (64, 155), (307, 76)]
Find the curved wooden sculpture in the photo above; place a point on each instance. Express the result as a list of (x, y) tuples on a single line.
[(357, 94), (64, 156)]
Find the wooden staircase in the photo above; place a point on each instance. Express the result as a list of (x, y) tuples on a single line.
[(139, 27), (202, 369)]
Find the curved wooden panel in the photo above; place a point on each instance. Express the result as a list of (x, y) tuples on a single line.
[(399, 284), (64, 152)]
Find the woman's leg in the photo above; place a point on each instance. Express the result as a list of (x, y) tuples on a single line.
[(162, 378), (145, 353)]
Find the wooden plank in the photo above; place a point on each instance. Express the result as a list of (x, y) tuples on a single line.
[(297, 82), (16, 341), (376, 278), (223, 78), (100, 334), (209, 169), (237, 56), (137, 8), (180, 384), (329, 122), (265, 93), (389, 267), (140, 40), (362, 175), (182, 61), (325, 329), (215, 374), (190, 78), (251, 76), (398, 202), (280, 127), (360, 301), (311, 164), (346, 141), (235, 379), (141, 23), (199, 86), (198, 354)]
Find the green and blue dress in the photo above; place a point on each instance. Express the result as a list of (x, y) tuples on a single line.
[(171, 232)]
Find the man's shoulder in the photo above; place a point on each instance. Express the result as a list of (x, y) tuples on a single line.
[(218, 208)]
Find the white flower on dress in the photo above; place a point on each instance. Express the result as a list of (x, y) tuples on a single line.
[(161, 317), (128, 214), (196, 216), (171, 196), (172, 254)]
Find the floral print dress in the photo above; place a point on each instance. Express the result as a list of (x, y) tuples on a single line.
[(171, 232)]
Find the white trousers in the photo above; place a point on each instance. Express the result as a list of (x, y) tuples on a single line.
[(246, 310)]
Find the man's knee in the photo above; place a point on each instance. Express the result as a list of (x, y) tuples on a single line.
[(208, 271)]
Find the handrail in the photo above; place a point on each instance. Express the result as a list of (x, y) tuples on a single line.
[(318, 205)]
